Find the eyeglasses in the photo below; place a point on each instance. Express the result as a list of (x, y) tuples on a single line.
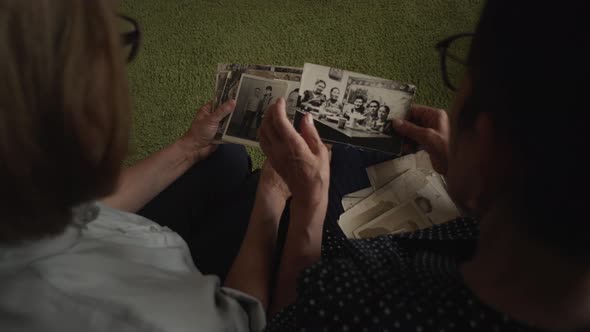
[(453, 58), (130, 36)]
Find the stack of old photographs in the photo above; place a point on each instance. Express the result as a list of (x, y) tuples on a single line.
[(347, 107), (406, 195)]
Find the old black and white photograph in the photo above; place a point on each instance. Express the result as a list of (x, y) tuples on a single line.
[(229, 76), (354, 109), (253, 97)]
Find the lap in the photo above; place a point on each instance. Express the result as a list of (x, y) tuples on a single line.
[(197, 204), (210, 205)]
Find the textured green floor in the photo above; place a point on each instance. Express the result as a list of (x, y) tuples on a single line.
[(183, 41)]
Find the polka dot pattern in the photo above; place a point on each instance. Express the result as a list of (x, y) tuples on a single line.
[(402, 282)]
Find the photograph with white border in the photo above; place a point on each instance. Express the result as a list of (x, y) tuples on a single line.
[(231, 75), (354, 109), (254, 95)]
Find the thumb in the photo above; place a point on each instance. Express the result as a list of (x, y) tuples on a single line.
[(224, 110), (310, 133), (419, 134)]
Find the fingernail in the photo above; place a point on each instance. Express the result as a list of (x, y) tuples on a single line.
[(230, 104), (397, 122), (309, 118)]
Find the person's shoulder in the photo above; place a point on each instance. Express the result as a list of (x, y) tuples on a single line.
[(48, 308), (382, 258), (343, 295), (378, 282)]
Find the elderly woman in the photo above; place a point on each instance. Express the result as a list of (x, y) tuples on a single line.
[(69, 263), (524, 265)]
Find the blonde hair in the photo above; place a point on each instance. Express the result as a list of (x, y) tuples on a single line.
[(64, 112)]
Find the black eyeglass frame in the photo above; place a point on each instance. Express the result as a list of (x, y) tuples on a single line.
[(442, 48), (131, 38)]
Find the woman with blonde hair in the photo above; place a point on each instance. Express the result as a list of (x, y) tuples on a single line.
[(71, 263)]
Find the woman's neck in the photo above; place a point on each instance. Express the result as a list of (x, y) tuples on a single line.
[(518, 275)]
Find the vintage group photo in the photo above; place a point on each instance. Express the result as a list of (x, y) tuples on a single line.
[(354, 109)]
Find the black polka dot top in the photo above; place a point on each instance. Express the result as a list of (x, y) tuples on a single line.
[(403, 282)]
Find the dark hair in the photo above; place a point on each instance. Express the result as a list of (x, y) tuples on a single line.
[(532, 78), (320, 81), (361, 98), (386, 108), (376, 102), (334, 88), (269, 88)]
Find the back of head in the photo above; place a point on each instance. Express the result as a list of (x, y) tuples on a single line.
[(64, 112), (529, 68)]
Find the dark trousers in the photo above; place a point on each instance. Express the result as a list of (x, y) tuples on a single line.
[(259, 116), (249, 118), (210, 205)]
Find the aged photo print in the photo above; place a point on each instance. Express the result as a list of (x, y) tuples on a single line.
[(229, 76), (253, 97), (354, 109)]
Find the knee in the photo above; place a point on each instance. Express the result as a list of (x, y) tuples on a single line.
[(232, 156)]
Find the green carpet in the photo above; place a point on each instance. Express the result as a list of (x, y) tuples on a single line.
[(183, 40)]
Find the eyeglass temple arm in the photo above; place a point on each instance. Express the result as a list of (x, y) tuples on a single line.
[(131, 36)]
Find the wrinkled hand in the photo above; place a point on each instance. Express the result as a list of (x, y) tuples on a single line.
[(271, 183), (430, 128), (199, 138), (302, 160)]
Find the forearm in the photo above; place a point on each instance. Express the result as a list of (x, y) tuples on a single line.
[(143, 181), (252, 268), (307, 105), (302, 248)]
